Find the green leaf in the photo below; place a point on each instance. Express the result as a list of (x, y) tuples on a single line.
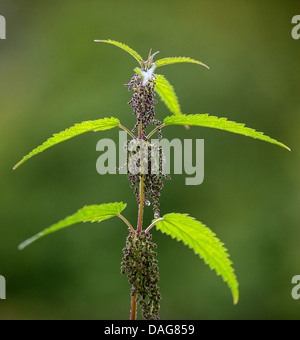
[(139, 71), (202, 240), (167, 94), (219, 123), (92, 213), (77, 129), (173, 60), (123, 47)]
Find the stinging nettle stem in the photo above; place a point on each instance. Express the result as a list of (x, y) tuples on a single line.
[(125, 129), (153, 224), (133, 307), (141, 205), (156, 129), (142, 276), (127, 222)]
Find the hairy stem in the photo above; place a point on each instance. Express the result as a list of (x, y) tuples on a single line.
[(139, 229), (133, 308), (156, 129), (127, 222), (129, 132), (153, 224), (141, 205), (140, 130)]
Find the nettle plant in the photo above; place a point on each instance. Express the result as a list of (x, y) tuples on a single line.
[(146, 176)]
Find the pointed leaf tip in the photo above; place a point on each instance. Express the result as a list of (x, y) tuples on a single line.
[(123, 47), (174, 60), (206, 120), (91, 213), (204, 242), (75, 130)]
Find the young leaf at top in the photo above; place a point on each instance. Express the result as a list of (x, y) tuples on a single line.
[(123, 47), (167, 94), (92, 213), (77, 129), (174, 60), (202, 240), (219, 123)]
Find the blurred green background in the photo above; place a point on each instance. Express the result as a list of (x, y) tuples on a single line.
[(52, 75)]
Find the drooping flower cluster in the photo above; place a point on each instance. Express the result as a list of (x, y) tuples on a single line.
[(145, 160), (140, 265), (143, 102)]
